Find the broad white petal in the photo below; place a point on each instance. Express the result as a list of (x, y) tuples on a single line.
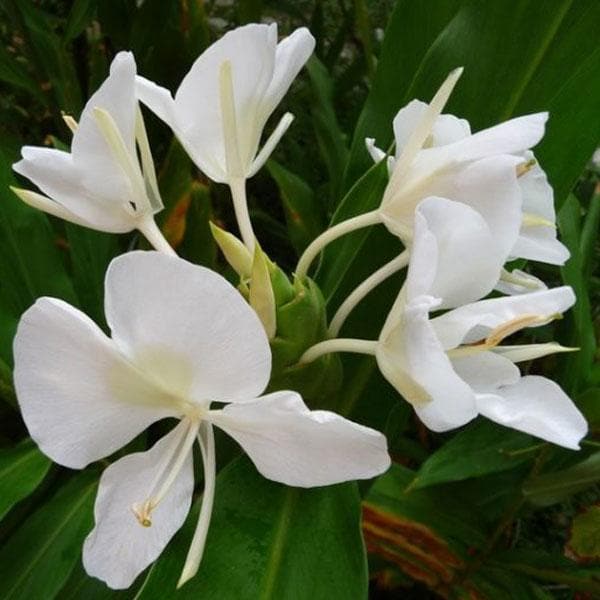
[(486, 371), (290, 56), (511, 137), (55, 173), (411, 358), (98, 167), (454, 255), (473, 322), (251, 52), (80, 398), (186, 326), (119, 548), (537, 406), (446, 130), (293, 445)]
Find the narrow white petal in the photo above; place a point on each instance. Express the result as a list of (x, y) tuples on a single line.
[(187, 326), (537, 406), (80, 398), (518, 282), (519, 353), (119, 548), (49, 206), (270, 144), (293, 445), (474, 321), (158, 99), (375, 152)]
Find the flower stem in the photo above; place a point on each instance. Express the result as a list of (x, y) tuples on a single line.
[(206, 439), (364, 288), (331, 234), (237, 185), (149, 229), (338, 345)]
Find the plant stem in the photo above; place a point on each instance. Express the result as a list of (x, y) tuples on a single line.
[(149, 229), (331, 234), (364, 288)]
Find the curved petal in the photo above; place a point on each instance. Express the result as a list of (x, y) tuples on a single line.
[(511, 137), (473, 322), (55, 173), (446, 130), (293, 445), (290, 56), (519, 282), (187, 326), (486, 371), (119, 548), (251, 52), (536, 406), (80, 398), (158, 99), (411, 358), (454, 255), (97, 164)]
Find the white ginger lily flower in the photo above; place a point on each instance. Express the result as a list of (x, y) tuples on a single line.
[(492, 171), (452, 367), (223, 103), (100, 184), (182, 339)]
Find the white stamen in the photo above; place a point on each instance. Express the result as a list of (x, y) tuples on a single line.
[(229, 123)]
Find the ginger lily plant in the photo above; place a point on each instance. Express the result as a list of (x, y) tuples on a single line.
[(186, 345)]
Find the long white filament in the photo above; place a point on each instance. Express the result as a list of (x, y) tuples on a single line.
[(363, 289), (194, 557), (338, 345)]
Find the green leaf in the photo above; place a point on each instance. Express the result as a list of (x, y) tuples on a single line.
[(81, 13), (304, 215), (80, 586), (550, 488), (22, 469), (15, 74), (268, 541), (37, 559), (479, 449), (584, 540)]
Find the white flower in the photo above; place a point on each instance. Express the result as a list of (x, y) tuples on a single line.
[(100, 183), (492, 171), (223, 103), (452, 367), (181, 338)]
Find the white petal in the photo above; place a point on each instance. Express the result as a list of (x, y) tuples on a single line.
[(521, 352), (511, 137), (411, 358), (158, 99), (290, 56), (446, 130), (251, 52), (55, 173), (473, 321), (454, 254), (293, 445), (486, 371), (187, 326), (97, 165), (119, 548), (519, 282), (539, 407), (80, 398)]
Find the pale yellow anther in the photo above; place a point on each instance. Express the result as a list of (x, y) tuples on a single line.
[(530, 220), (70, 122), (142, 513), (525, 167)]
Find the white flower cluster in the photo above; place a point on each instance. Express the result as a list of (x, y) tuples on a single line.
[(182, 338)]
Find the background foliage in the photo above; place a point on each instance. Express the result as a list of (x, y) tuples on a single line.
[(483, 512)]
